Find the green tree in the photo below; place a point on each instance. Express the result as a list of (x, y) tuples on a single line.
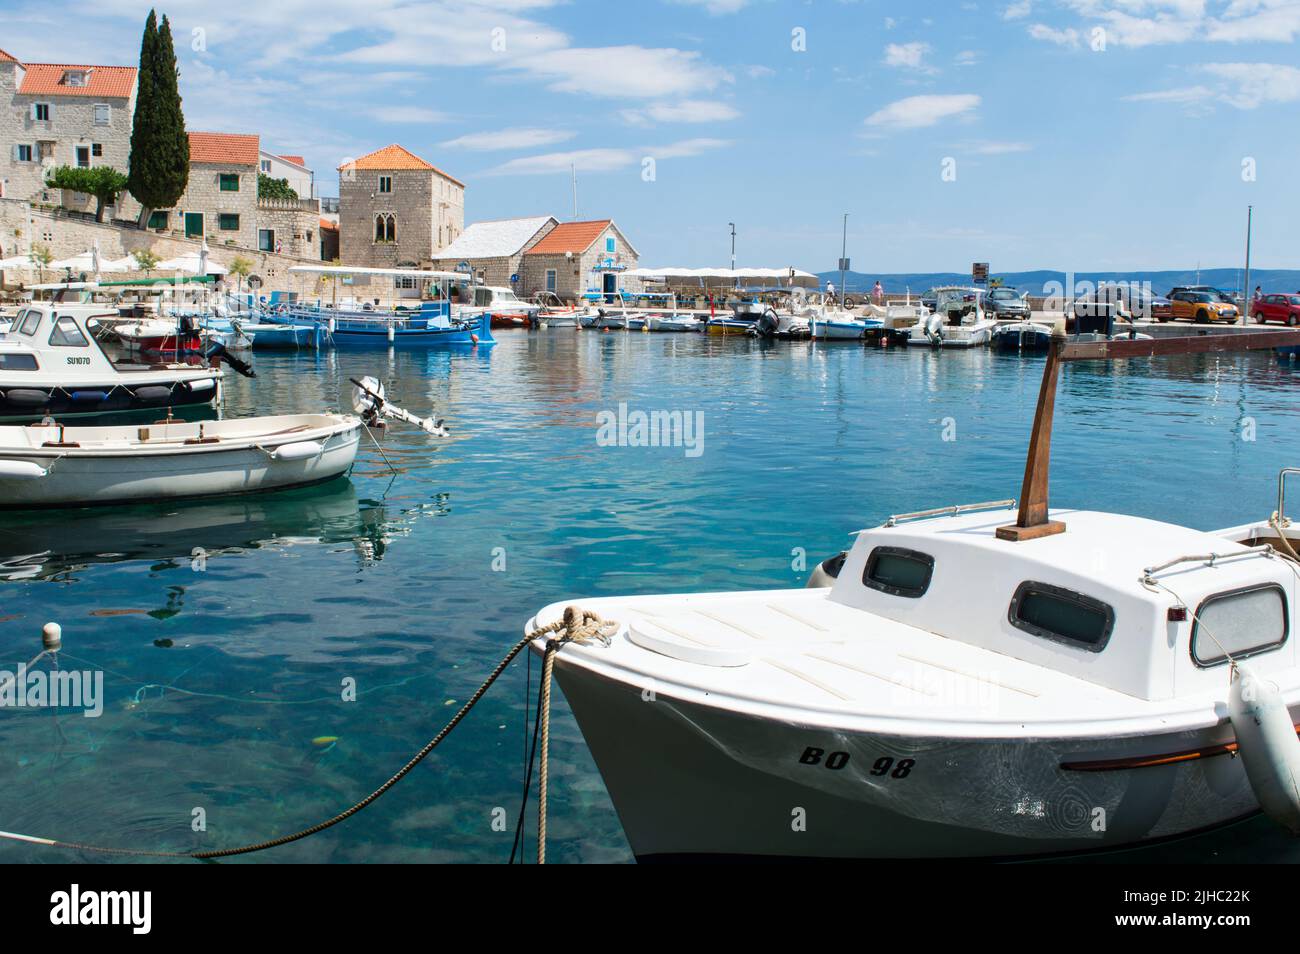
[(145, 259), (103, 182), (240, 268), (160, 150), (268, 188), (41, 257)]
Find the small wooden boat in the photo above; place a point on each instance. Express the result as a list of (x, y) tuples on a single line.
[(51, 465)]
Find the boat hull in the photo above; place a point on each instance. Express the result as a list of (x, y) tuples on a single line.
[(691, 781), (20, 402), (96, 479)]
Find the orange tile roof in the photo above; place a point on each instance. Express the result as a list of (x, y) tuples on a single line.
[(575, 237), (296, 160), (6, 58), (395, 157), (329, 226), (46, 79), (230, 149)]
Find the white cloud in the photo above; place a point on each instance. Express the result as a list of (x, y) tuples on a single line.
[(967, 58), (716, 7), (1067, 37), (409, 114), (634, 71), (994, 147), (602, 160), (519, 137), (758, 71), (915, 112), (907, 55), (1018, 10), (1183, 95), (1253, 84), (685, 111)]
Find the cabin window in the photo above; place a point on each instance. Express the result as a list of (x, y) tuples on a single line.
[(1242, 622), (66, 334), (898, 572), (229, 181), (1054, 612), (17, 362), (30, 322)]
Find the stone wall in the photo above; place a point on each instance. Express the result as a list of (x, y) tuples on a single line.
[(203, 195), (574, 276), (66, 236), (296, 224)]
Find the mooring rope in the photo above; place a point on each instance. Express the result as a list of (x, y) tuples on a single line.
[(576, 625)]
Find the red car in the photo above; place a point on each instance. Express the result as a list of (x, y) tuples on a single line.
[(1277, 308)]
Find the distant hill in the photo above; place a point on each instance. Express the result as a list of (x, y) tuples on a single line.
[(1228, 279)]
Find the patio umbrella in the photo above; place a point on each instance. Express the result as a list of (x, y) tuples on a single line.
[(87, 262), (194, 263), (16, 261)]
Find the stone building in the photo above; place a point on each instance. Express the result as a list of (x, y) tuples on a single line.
[(54, 114), (575, 258), (495, 250), (395, 209), (292, 169), (329, 240), (220, 201)]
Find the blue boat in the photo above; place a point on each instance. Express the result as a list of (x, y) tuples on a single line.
[(427, 324)]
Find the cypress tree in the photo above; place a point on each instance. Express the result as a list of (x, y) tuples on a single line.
[(160, 149)]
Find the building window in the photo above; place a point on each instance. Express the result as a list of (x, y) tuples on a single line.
[(385, 227), (74, 78), (158, 220), (228, 221), (550, 279), (97, 150), (229, 181), (266, 165), (609, 245), (83, 157), (385, 185), (103, 115), (23, 153), (41, 112), (266, 240)]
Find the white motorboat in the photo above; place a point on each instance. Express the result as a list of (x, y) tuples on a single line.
[(958, 321), (674, 322), (836, 325), (51, 363), (977, 681), (50, 465)]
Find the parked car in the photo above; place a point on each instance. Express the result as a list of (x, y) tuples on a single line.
[(1218, 293), (1201, 307), (1007, 303), (1278, 308)]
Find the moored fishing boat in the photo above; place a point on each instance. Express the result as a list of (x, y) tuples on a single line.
[(51, 363), (53, 465), (974, 681), (959, 320)]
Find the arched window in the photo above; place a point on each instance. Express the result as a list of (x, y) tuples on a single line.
[(385, 227)]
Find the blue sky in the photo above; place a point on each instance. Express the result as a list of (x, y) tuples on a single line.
[(1071, 134)]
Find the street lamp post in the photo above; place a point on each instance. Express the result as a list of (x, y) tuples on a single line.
[(733, 254), (1247, 301)]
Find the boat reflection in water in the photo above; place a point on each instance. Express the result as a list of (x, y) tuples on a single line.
[(46, 546)]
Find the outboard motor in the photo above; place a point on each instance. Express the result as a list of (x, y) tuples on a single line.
[(217, 352), (827, 572), (934, 329), (767, 324)]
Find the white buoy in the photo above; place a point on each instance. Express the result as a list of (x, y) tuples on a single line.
[(1268, 746), (52, 637)]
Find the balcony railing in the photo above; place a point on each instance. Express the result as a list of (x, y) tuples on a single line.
[(289, 205)]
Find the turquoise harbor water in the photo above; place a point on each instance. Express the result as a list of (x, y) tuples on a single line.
[(251, 612)]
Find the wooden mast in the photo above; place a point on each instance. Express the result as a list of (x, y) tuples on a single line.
[(1033, 521)]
